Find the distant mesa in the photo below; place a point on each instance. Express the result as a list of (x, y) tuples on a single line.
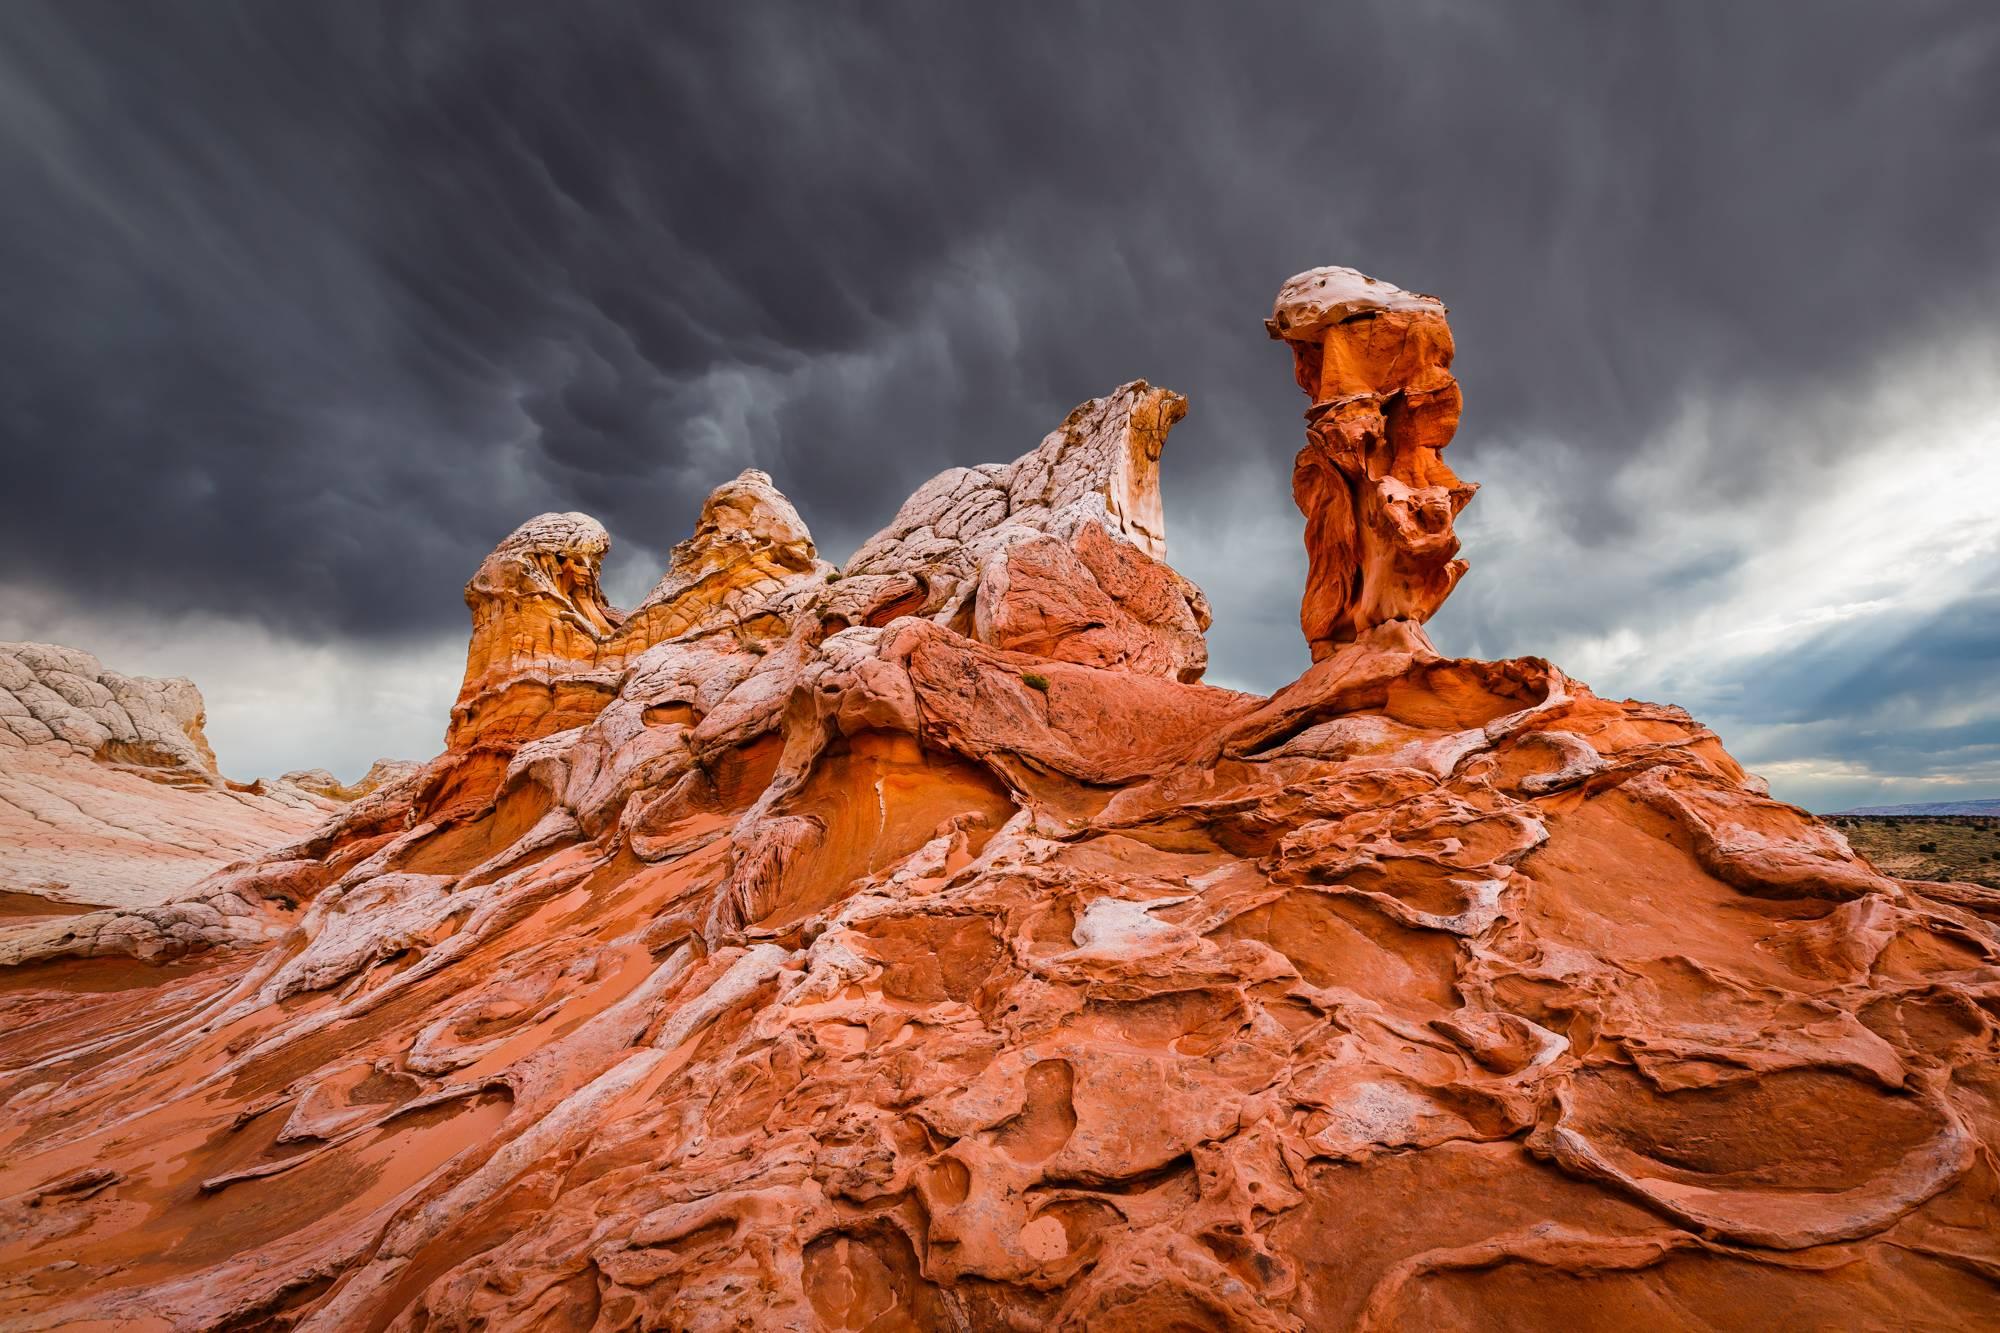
[(380, 774), (1984, 806), (920, 944)]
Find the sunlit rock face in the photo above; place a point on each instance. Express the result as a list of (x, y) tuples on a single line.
[(539, 625), (920, 945)]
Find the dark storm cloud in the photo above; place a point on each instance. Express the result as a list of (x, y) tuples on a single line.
[(1905, 703), (306, 305)]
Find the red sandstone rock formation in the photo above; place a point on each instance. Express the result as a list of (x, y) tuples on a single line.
[(923, 948), (1378, 500)]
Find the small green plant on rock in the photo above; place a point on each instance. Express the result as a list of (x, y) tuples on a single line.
[(1034, 680)]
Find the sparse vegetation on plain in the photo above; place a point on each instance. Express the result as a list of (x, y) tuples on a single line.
[(1948, 847)]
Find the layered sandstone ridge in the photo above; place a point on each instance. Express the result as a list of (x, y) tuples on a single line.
[(63, 701), (921, 946), (1061, 553), (110, 798)]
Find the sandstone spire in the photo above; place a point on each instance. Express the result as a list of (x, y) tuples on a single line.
[(537, 611), (1378, 499), (747, 546)]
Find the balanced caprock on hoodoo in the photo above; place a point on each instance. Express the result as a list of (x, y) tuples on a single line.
[(920, 945)]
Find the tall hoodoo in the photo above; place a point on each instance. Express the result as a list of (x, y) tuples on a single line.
[(1378, 499)]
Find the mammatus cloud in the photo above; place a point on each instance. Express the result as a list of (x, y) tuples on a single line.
[(308, 306)]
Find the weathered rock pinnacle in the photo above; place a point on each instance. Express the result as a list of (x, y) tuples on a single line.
[(1378, 499)]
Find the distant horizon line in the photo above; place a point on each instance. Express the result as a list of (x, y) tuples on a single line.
[(1976, 805)]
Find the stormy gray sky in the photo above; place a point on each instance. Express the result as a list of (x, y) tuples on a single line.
[(306, 305)]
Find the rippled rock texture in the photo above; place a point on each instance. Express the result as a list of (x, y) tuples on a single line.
[(112, 812), (922, 946)]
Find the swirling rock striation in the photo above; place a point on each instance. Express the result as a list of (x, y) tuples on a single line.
[(110, 799), (920, 945)]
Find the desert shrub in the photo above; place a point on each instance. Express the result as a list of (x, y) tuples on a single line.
[(1927, 847), (1035, 681)]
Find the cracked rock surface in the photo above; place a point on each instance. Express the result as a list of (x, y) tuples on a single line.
[(921, 946)]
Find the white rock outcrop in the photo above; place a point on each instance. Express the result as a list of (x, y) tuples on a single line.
[(110, 798)]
